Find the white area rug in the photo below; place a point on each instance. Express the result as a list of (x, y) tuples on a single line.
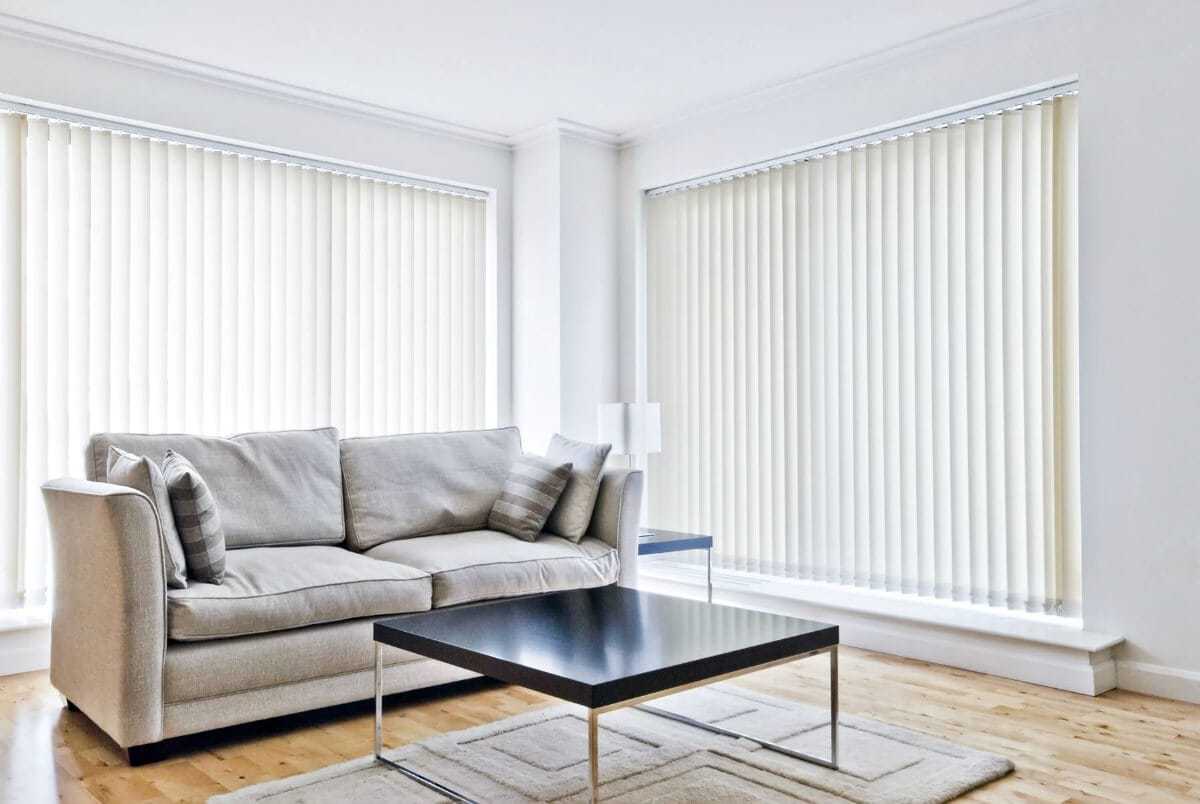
[(542, 757)]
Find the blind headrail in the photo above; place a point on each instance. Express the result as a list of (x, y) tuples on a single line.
[(236, 147), (884, 133)]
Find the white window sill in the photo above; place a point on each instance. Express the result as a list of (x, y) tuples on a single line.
[(1044, 629), (24, 619)]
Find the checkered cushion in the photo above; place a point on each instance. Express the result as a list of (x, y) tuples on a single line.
[(533, 486), (196, 519)]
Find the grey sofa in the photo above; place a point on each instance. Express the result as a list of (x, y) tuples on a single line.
[(324, 536)]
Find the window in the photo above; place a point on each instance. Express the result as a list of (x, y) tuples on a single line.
[(867, 360), (149, 285)]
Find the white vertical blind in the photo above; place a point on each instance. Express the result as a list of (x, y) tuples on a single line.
[(12, 494), (867, 362), (154, 286)]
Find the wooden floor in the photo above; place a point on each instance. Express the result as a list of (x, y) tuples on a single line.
[(1118, 747)]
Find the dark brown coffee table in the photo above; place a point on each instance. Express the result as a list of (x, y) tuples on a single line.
[(607, 648)]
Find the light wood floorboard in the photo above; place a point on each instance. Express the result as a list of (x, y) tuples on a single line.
[(1118, 747)]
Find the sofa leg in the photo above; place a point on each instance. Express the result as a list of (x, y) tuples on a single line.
[(137, 755)]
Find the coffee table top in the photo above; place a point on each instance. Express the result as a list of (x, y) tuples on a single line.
[(599, 647)]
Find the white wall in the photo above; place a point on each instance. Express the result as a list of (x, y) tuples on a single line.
[(590, 294), (537, 346), (565, 293), (1140, 287), (1139, 297), (159, 97)]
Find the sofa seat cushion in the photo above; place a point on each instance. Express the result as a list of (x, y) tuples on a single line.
[(486, 564), (274, 588)]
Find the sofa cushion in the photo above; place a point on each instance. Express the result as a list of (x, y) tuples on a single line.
[(274, 588), (196, 518), (143, 474), (532, 489), (573, 512), (271, 488), (484, 564), (403, 486)]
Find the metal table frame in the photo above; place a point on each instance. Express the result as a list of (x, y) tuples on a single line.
[(639, 703)]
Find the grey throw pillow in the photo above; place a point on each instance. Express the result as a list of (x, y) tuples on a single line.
[(571, 516), (530, 492), (196, 518), (141, 473)]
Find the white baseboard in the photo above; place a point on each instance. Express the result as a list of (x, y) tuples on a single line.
[(1074, 660), (1159, 680), (24, 649)]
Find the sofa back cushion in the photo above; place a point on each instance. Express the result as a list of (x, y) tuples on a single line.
[(421, 484), (271, 488)]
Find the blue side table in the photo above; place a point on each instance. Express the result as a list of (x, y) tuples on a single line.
[(672, 541)]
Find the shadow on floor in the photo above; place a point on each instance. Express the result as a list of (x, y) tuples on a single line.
[(231, 735)]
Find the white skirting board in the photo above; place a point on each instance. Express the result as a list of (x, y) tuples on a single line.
[(1159, 680), (24, 649), (1077, 662)]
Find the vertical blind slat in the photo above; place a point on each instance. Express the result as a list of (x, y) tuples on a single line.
[(33, 377)]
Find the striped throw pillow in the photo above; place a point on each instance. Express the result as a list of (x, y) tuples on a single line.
[(139, 472), (196, 519), (533, 487)]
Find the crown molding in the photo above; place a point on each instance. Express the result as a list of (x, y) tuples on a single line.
[(55, 36), (569, 129), (1029, 10)]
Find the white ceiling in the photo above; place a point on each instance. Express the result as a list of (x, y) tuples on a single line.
[(506, 67)]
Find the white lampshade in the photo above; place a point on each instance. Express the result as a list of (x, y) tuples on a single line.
[(633, 428)]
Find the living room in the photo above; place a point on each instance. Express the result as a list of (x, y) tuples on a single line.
[(561, 402)]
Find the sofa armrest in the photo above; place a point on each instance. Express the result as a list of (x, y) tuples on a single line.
[(108, 634), (615, 518)]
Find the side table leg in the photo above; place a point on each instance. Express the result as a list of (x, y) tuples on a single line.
[(708, 552), (594, 754), (378, 700)]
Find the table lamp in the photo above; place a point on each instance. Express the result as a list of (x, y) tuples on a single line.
[(633, 428)]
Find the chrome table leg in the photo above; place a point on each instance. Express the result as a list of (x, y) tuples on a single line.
[(594, 754), (776, 747), (833, 706), (378, 700), (770, 746), (425, 781)]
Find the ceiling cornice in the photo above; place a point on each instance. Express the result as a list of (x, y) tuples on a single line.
[(42, 33), (53, 35), (568, 129), (1031, 9)]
